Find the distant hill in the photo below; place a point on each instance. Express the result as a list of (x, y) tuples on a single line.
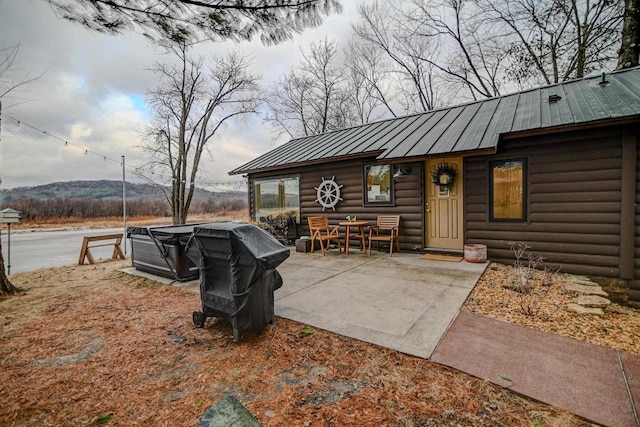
[(103, 190)]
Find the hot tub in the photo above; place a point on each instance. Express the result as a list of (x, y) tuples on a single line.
[(161, 251)]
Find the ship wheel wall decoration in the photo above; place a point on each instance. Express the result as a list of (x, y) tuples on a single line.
[(328, 193)]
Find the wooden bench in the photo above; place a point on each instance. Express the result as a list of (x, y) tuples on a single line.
[(85, 252)]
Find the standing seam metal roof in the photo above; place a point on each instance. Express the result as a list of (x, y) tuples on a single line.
[(467, 127)]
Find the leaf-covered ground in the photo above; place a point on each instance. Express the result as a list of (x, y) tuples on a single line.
[(89, 344), (546, 306)]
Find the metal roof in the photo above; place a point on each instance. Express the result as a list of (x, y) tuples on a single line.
[(468, 127)]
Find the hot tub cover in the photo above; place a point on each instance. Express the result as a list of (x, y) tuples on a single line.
[(160, 250)]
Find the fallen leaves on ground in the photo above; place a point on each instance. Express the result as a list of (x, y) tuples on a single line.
[(618, 328), (89, 344)]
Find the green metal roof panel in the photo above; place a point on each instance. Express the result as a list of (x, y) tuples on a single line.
[(621, 96), (401, 150), (554, 113), (362, 138), (449, 140), (436, 133), (467, 127), (395, 127), (500, 122), (424, 143), (403, 141), (325, 146), (527, 112), (471, 137)]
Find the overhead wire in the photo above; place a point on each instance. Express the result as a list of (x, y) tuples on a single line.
[(235, 185)]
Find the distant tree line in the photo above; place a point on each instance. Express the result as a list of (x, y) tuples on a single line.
[(33, 209)]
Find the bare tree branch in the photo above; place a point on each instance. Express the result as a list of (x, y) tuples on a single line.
[(189, 105)]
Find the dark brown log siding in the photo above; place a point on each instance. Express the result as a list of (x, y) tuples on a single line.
[(408, 195), (634, 286), (573, 212)]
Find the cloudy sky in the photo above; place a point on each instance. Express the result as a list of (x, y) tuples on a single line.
[(91, 93)]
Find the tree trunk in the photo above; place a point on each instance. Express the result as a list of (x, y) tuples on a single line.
[(630, 48), (6, 287)]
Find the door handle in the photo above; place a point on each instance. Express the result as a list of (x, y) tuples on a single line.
[(426, 208)]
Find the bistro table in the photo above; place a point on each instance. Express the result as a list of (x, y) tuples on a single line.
[(347, 225)]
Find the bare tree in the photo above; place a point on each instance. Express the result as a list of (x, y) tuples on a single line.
[(556, 40), (184, 20), (10, 81), (8, 84), (369, 78), (366, 87), (409, 57), (474, 53), (629, 53), (471, 49), (312, 98), (189, 106), (6, 287)]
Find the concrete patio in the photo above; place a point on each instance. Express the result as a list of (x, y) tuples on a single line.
[(405, 303)]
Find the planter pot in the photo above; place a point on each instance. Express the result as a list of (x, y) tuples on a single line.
[(303, 244), (475, 253)]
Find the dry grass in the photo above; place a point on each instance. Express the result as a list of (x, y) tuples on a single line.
[(75, 222), (89, 341)]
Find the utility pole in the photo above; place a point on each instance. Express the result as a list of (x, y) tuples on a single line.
[(124, 207)]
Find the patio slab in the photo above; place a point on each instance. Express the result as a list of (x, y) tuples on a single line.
[(405, 303)]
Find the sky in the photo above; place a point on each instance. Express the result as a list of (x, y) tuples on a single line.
[(90, 93)]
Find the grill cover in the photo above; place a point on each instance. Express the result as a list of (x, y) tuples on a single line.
[(237, 273)]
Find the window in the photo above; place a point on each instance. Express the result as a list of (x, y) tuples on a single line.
[(277, 195), (508, 190), (379, 185)]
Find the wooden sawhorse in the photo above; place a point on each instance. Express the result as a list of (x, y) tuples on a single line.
[(85, 252)]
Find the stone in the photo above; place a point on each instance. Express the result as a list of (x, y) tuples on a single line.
[(585, 310), (228, 412), (577, 279), (593, 301), (518, 281), (583, 289)]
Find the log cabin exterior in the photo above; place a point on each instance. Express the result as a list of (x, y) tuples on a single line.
[(557, 167)]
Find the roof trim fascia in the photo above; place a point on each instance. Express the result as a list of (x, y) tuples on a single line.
[(371, 154)]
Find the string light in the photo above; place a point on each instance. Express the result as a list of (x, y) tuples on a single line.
[(234, 185), (66, 143)]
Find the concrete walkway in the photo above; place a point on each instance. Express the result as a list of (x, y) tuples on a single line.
[(598, 383), (405, 302)]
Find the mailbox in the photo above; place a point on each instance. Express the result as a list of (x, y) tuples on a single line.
[(9, 216)]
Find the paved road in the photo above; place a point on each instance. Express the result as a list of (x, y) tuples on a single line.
[(32, 250)]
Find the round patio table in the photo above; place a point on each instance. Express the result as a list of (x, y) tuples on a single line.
[(347, 225)]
